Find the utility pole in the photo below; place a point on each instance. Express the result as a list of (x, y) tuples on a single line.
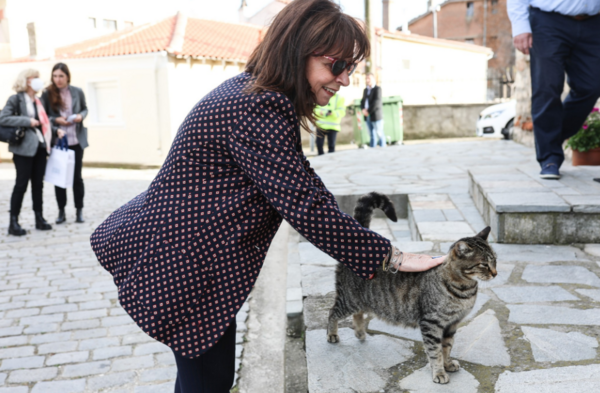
[(484, 22), (370, 36)]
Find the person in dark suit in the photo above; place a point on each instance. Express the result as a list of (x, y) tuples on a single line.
[(561, 37), (66, 107), (24, 109), (372, 109), (187, 251)]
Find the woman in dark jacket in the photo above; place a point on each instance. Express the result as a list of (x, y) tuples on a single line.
[(24, 109), (66, 107), (186, 252)]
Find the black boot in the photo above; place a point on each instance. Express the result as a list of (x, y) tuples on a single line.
[(61, 216), (79, 216), (14, 228), (41, 223)]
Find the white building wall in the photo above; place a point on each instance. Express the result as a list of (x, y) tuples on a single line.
[(190, 80), (142, 135), (423, 73), (154, 94)]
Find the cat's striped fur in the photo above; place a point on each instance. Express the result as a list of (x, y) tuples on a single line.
[(435, 300)]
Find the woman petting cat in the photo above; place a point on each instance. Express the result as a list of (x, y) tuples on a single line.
[(185, 253)]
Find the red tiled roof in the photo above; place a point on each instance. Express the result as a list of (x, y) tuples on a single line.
[(202, 38), (212, 39), (143, 39)]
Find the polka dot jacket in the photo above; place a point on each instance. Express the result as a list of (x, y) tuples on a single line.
[(185, 253)]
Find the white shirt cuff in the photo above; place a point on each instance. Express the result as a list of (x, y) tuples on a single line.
[(520, 27)]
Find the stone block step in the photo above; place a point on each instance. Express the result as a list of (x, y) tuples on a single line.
[(524, 209), (442, 217)]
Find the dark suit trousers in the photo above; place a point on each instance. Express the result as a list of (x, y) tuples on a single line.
[(331, 136), (29, 168), (562, 44), (212, 372), (78, 190)]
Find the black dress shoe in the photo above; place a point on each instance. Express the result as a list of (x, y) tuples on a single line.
[(79, 216), (61, 216), (41, 223), (14, 228)]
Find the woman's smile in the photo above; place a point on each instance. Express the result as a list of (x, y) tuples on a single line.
[(330, 90)]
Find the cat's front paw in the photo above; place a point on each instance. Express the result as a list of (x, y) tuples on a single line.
[(452, 366), (333, 338), (360, 334), (441, 377)]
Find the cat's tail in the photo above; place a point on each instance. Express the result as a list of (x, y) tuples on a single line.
[(363, 211)]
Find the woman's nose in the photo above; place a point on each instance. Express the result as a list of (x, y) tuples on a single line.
[(343, 78)]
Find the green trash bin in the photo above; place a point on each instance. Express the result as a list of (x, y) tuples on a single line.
[(392, 122), (392, 119)]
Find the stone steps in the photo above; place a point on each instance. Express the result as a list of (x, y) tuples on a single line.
[(522, 208), (443, 217)]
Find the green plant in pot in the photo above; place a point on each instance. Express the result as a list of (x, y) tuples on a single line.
[(586, 143)]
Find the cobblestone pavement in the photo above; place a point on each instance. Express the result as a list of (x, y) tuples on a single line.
[(536, 325), (61, 327)]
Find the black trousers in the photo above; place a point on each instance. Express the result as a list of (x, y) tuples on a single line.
[(29, 169), (78, 190), (212, 372), (331, 135), (562, 44)]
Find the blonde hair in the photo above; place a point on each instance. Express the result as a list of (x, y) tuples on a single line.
[(21, 82)]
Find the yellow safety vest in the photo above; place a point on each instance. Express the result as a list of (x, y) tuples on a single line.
[(334, 119)]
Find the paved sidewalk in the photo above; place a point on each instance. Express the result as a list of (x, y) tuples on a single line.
[(61, 327), (62, 330)]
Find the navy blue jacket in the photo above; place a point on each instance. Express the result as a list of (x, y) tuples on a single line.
[(185, 253)]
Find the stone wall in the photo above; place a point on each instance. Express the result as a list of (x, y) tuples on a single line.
[(441, 121), (424, 122), (523, 126)]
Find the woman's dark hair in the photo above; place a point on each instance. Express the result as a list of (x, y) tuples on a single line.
[(302, 28), (56, 102)]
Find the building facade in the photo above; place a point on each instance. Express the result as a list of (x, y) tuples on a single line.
[(429, 71), (141, 83), (479, 22)]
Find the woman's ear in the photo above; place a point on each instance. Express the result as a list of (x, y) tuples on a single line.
[(484, 233), (461, 250)]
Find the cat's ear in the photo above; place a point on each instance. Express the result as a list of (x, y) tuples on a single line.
[(484, 233), (461, 249)]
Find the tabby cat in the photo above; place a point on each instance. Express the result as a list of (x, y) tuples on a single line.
[(435, 300)]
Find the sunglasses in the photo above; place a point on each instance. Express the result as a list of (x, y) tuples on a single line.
[(338, 66)]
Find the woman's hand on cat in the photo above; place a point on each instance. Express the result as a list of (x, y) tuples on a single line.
[(419, 263)]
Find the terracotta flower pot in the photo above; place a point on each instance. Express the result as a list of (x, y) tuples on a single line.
[(590, 157)]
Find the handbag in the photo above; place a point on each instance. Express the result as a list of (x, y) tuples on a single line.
[(13, 135), (60, 167)]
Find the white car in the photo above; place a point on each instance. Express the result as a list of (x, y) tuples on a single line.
[(496, 120)]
